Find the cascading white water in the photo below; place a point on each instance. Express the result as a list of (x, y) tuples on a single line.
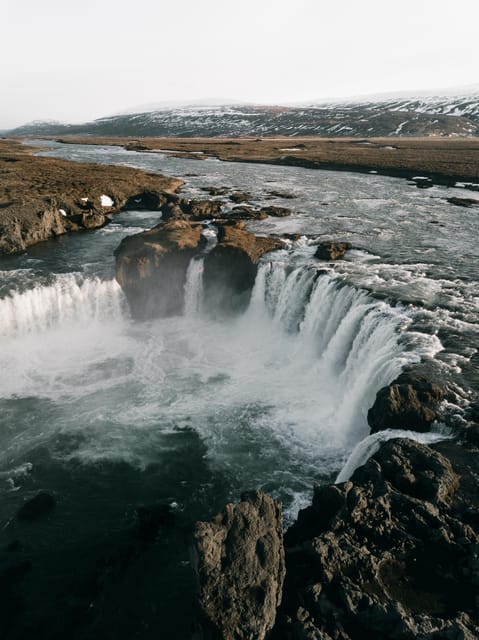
[(279, 396), (69, 299), (193, 287), (351, 343)]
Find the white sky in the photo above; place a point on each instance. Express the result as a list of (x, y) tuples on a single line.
[(77, 60)]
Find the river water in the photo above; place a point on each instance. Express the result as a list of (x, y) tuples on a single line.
[(108, 414)]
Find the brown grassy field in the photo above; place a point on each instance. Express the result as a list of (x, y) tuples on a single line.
[(34, 191), (443, 159)]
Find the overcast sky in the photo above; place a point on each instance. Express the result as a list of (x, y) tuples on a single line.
[(74, 61)]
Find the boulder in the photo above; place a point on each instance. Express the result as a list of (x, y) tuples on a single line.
[(230, 268), (387, 555), (330, 250), (183, 209), (240, 566), (286, 195), (245, 212), (463, 202), (407, 403), (240, 196), (276, 212), (151, 267)]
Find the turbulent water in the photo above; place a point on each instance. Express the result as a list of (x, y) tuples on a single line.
[(108, 413)]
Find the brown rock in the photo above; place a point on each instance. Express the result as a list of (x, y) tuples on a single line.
[(240, 196), (388, 554), (246, 212), (239, 560), (151, 267), (332, 250), (231, 267), (463, 202), (407, 403), (276, 212)]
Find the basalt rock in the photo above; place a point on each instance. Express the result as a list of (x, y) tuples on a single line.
[(245, 212), (239, 561), (151, 267), (183, 209), (464, 202), (276, 212), (388, 555), (240, 196), (231, 267), (332, 250), (407, 403)]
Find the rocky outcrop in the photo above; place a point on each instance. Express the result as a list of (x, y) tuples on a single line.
[(41, 198), (151, 267), (239, 562), (231, 267), (464, 202), (329, 250), (184, 209), (240, 196), (407, 403), (276, 212), (390, 555)]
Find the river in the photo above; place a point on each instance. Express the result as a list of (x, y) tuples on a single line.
[(109, 414)]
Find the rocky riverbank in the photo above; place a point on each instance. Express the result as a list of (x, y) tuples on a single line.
[(390, 554), (41, 198)]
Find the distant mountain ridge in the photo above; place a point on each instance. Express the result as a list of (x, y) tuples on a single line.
[(428, 115)]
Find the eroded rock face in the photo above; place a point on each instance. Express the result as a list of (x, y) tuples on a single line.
[(408, 403), (386, 556), (231, 267), (239, 560), (41, 198), (332, 250), (151, 267)]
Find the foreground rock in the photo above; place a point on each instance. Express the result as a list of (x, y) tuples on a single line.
[(390, 555), (329, 250), (41, 198), (239, 560), (409, 402)]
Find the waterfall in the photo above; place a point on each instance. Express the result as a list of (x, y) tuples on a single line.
[(194, 287), (70, 299), (351, 343)]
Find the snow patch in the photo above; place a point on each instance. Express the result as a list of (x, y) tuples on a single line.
[(106, 201)]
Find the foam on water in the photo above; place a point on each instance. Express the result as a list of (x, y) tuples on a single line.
[(69, 299), (278, 395)]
